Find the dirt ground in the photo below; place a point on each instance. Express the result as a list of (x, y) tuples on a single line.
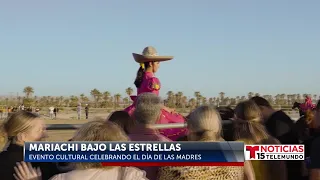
[(69, 118)]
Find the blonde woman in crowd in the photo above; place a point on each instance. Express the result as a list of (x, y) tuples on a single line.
[(91, 131), (21, 127), (249, 129), (204, 124)]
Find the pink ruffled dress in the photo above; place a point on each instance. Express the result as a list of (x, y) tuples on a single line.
[(152, 84), (307, 105)]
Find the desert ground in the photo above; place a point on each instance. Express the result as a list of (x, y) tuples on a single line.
[(70, 118)]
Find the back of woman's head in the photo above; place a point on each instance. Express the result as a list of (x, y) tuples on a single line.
[(98, 131), (248, 124), (140, 73), (248, 111), (16, 125), (226, 113), (204, 124), (122, 119)]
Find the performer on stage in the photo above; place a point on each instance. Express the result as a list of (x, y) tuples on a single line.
[(147, 82)]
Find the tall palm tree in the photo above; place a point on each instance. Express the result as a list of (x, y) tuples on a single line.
[(170, 94), (204, 100), (28, 90), (74, 100), (250, 95), (106, 97), (19, 99), (82, 97), (96, 94), (198, 97), (211, 101), (117, 98), (184, 101), (129, 91), (170, 98), (179, 96), (66, 102), (60, 100), (192, 103), (222, 94), (126, 100)]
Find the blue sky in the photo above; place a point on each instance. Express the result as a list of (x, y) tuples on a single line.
[(65, 47)]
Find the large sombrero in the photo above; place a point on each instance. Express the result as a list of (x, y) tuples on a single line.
[(150, 54)]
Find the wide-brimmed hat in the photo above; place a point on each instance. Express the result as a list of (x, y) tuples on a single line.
[(150, 54)]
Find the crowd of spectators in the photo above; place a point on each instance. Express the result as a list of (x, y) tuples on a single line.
[(252, 121)]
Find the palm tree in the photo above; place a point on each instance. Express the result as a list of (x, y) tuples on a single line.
[(129, 91), (179, 96), (19, 99), (28, 91), (250, 95), (82, 97), (204, 100), (96, 94), (170, 94), (184, 101), (126, 100), (106, 98), (192, 103), (211, 101), (170, 99), (60, 100), (198, 96), (117, 98), (66, 102), (74, 101), (222, 94)]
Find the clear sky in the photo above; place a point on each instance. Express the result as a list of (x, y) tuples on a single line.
[(65, 47)]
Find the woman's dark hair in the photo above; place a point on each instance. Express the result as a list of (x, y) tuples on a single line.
[(140, 75), (122, 119), (226, 113)]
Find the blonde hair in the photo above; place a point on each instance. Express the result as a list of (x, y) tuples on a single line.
[(204, 124), (16, 123), (248, 124), (98, 131)]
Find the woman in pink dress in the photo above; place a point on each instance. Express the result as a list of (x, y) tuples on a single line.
[(307, 105), (147, 82)]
